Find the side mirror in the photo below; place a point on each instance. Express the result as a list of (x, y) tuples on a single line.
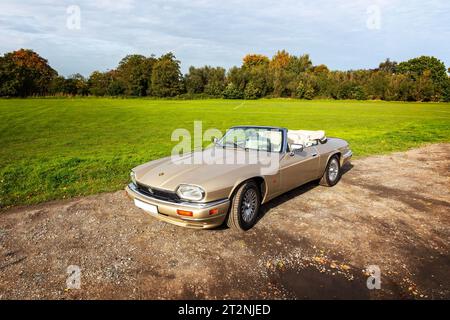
[(214, 140), (295, 148)]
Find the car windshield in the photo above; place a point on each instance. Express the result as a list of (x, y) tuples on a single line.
[(248, 138)]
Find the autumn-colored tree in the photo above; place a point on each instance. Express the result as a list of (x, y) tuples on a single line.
[(280, 60), (320, 69), (25, 73), (278, 69), (254, 60), (255, 71)]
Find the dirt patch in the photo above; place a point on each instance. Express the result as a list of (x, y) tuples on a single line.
[(313, 242)]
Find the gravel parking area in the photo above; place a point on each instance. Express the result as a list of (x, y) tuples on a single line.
[(392, 211)]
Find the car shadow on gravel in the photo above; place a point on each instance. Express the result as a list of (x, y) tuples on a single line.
[(272, 204), (309, 283)]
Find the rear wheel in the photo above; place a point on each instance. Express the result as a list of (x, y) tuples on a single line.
[(332, 173), (244, 207)]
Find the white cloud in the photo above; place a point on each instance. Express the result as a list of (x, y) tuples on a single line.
[(114, 5), (220, 32)]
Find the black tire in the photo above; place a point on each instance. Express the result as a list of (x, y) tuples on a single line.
[(328, 178), (237, 217)]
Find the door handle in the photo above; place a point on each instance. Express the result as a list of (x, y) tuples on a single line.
[(314, 154)]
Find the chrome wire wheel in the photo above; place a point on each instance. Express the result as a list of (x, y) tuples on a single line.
[(249, 205), (244, 208), (333, 170)]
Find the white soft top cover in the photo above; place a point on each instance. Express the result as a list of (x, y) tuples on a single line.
[(304, 137)]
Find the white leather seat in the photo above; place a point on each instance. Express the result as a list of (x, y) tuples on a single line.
[(305, 137)]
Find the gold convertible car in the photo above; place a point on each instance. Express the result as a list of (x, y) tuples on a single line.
[(229, 180)]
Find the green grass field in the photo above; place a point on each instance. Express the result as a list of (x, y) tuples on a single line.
[(59, 148)]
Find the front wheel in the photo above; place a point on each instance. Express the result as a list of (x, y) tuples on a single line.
[(332, 173), (244, 207)]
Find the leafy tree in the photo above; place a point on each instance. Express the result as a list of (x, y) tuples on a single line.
[(388, 66), (76, 85), (232, 91), (238, 77), (205, 80), (358, 93), (98, 83), (215, 81), (424, 89), (252, 92), (255, 70), (304, 91), (166, 77), (377, 84), (278, 68), (57, 85), (25, 73), (346, 87), (423, 70), (446, 93), (115, 88), (135, 72), (299, 64), (196, 80), (399, 88), (115, 85)]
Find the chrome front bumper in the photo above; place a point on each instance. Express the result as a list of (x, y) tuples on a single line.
[(167, 211), (346, 157)]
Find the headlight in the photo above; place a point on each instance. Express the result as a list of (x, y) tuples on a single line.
[(133, 177), (189, 192)]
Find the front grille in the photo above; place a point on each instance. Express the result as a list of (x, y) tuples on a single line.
[(158, 194)]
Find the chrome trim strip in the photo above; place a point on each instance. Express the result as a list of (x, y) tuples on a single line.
[(205, 205), (348, 154)]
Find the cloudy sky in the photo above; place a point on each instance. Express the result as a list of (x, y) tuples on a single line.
[(87, 35)]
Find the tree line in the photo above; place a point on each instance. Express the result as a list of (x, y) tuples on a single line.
[(24, 73)]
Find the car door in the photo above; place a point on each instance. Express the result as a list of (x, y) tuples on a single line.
[(299, 168)]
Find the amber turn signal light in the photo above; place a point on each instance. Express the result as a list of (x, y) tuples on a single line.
[(185, 213), (213, 211)]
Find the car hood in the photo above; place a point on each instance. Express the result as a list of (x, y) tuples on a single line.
[(169, 173)]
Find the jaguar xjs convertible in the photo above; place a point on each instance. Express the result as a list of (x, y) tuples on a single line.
[(206, 194)]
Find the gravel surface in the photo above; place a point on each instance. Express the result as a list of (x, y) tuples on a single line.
[(313, 242)]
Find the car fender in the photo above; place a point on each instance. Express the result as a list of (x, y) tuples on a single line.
[(261, 179)]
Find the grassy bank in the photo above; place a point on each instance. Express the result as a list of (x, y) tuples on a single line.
[(57, 148)]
